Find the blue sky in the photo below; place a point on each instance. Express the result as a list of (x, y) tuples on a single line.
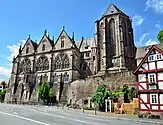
[(20, 18)]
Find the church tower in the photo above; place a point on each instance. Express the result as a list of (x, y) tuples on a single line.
[(115, 41)]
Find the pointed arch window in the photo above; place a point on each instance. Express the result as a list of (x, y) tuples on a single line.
[(25, 65), (62, 61), (112, 38), (42, 63), (27, 50), (124, 27), (85, 66), (62, 41), (66, 77), (43, 47), (54, 78)]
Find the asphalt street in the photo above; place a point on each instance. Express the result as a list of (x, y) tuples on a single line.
[(42, 115)]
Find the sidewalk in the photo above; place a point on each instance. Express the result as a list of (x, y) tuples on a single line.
[(120, 116)]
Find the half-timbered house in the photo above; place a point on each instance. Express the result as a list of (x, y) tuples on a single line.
[(149, 84)]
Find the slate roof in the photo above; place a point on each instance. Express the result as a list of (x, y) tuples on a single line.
[(35, 45), (141, 52), (156, 47), (113, 9), (86, 44)]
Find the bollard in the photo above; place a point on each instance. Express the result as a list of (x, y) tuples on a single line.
[(62, 106), (95, 112), (83, 109)]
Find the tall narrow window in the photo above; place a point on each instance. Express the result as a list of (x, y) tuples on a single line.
[(26, 95), (154, 99), (27, 50), (151, 78), (82, 55), (93, 58), (85, 66), (124, 27), (111, 35), (62, 44), (43, 47), (62, 41), (87, 54)]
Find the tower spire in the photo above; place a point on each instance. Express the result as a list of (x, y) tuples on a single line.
[(73, 37), (45, 32), (63, 27), (48, 34), (53, 38), (29, 36), (20, 48)]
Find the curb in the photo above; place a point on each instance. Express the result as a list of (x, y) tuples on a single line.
[(127, 119), (138, 120)]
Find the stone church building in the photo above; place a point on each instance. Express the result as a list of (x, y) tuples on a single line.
[(65, 60)]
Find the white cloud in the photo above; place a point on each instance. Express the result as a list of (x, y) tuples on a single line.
[(156, 5), (14, 50), (4, 73), (151, 42), (137, 20), (142, 38)]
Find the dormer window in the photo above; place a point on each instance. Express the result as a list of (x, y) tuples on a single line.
[(27, 50), (43, 47)]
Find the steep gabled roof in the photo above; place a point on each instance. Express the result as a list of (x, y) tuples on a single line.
[(113, 9), (34, 44), (72, 41), (45, 35), (140, 53), (146, 56)]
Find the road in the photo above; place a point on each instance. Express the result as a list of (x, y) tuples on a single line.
[(40, 115)]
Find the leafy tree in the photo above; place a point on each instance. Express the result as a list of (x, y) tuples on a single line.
[(2, 95), (44, 91), (98, 96), (3, 84), (160, 36), (101, 94), (51, 94), (114, 94), (125, 90), (132, 93)]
